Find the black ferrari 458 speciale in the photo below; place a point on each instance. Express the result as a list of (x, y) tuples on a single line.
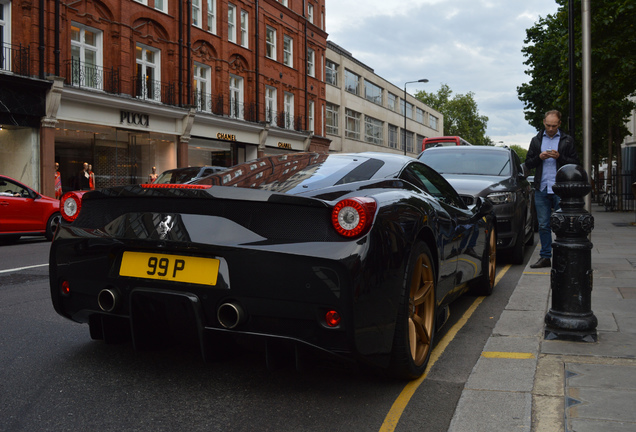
[(354, 255)]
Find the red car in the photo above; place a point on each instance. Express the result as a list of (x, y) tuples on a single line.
[(23, 211)]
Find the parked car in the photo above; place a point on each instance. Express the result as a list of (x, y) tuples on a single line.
[(352, 255), (186, 175), (23, 211), (495, 173)]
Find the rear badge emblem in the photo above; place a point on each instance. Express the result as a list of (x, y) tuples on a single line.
[(164, 227)]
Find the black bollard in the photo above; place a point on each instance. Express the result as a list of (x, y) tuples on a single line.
[(570, 317)]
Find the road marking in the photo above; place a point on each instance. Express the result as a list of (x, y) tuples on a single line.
[(507, 355), (536, 273), (22, 268), (393, 417)]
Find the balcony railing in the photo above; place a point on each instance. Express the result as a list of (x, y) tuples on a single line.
[(206, 102), (85, 75), (15, 58), (80, 74), (149, 89), (288, 121)]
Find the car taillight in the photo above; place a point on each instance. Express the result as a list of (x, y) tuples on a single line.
[(332, 318), (353, 216), (70, 206)]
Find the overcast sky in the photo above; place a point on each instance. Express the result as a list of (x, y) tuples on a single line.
[(471, 45)]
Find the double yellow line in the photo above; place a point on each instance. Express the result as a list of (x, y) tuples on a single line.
[(393, 417)]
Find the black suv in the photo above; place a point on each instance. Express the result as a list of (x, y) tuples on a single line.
[(495, 173)]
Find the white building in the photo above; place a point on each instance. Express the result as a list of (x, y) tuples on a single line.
[(366, 112)]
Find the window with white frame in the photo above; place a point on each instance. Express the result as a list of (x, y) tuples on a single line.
[(393, 136), (433, 121), (236, 97), (244, 29), (419, 115), (161, 5), (372, 92), (212, 16), (332, 118), (352, 82), (288, 51), (310, 13), (373, 130), (196, 13), (144, 2), (202, 88), (310, 114), (231, 23), (393, 102), (331, 73), (289, 110), (5, 34), (270, 41), (284, 2), (352, 124), (271, 110), (311, 62), (148, 83), (86, 56)]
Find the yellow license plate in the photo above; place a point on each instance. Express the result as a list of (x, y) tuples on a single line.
[(174, 268)]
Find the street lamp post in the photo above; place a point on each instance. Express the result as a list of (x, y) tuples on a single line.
[(423, 80)]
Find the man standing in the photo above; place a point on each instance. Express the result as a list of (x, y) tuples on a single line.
[(549, 151)]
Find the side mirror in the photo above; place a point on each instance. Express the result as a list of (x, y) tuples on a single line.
[(483, 207), (525, 172)]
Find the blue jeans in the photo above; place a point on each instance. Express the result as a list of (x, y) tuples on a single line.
[(544, 204)]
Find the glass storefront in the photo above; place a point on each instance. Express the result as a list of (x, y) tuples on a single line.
[(118, 156)]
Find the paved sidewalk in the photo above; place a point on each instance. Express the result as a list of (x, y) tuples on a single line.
[(525, 383)]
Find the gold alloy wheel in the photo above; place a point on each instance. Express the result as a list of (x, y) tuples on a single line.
[(492, 257), (421, 309)]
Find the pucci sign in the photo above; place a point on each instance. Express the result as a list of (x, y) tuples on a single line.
[(133, 118)]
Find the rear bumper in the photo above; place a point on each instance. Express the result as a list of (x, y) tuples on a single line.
[(283, 293)]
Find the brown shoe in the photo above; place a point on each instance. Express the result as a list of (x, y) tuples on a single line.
[(543, 262)]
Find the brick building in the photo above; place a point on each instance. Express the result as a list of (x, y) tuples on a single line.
[(127, 85)]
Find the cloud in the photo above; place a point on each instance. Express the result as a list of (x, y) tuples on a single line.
[(471, 45)]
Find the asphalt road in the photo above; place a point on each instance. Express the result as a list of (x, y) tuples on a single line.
[(53, 377)]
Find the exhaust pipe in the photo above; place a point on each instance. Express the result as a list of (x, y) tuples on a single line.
[(230, 315), (108, 300)]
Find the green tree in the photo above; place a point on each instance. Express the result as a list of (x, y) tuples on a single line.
[(461, 115), (613, 71)]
